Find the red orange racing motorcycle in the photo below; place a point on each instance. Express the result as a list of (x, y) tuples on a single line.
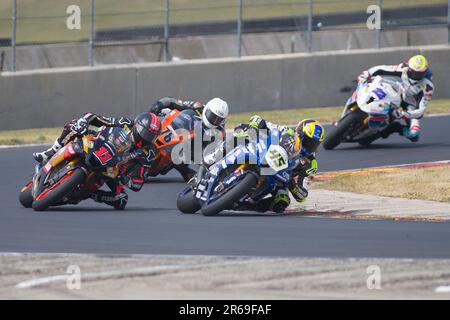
[(74, 172)]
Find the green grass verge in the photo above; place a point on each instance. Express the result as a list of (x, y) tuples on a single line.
[(425, 183), (30, 136), (290, 116), (327, 114)]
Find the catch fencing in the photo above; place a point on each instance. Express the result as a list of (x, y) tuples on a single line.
[(106, 26)]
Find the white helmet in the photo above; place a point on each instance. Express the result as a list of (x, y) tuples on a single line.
[(215, 113)]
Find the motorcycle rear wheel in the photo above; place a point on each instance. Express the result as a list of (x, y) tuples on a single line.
[(229, 198), (66, 184)]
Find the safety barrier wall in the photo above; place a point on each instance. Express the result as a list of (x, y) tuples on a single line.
[(48, 98)]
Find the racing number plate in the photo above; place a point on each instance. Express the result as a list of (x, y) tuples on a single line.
[(103, 155)]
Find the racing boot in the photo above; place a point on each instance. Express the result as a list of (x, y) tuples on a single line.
[(412, 135), (44, 156), (281, 201), (413, 132), (390, 129), (245, 206), (277, 203), (118, 201), (186, 172)]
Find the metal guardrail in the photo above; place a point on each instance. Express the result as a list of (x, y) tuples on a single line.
[(168, 24)]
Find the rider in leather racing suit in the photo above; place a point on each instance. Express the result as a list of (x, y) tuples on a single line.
[(137, 152), (301, 142), (213, 116), (417, 79)]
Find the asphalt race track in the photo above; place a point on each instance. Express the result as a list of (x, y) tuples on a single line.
[(152, 225)]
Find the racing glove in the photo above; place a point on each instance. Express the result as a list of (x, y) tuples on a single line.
[(400, 114), (193, 104), (364, 76), (80, 126), (240, 130), (257, 122)]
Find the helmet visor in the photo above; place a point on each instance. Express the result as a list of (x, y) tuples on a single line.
[(309, 145), (213, 118), (290, 144), (416, 75), (143, 136)]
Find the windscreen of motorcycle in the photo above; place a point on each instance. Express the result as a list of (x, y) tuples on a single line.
[(379, 91)]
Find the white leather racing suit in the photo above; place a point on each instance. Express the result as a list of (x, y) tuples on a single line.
[(416, 97)]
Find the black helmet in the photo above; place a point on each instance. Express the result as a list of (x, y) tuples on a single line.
[(146, 128)]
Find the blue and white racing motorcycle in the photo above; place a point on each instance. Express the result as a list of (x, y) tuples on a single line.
[(371, 108), (248, 173)]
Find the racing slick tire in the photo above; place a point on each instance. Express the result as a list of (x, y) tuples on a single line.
[(229, 198), (187, 202), (63, 187), (26, 195), (333, 139)]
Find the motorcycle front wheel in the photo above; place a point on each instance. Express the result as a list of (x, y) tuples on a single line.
[(187, 202), (333, 139), (26, 196), (59, 190), (231, 197)]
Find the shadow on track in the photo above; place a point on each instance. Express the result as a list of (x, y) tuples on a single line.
[(248, 214), (105, 209), (162, 179)]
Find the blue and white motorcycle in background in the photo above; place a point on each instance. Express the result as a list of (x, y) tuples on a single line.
[(248, 173), (371, 108)]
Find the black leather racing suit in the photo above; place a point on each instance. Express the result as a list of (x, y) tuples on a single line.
[(174, 104), (133, 161)]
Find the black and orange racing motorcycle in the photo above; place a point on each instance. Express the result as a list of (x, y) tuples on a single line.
[(74, 172), (176, 127)]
